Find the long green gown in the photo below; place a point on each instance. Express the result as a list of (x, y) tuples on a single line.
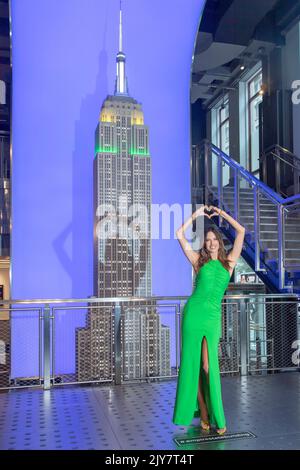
[(201, 317)]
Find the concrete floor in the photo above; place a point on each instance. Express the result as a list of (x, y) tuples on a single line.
[(138, 416)]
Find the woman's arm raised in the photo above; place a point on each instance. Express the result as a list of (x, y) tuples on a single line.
[(188, 250)]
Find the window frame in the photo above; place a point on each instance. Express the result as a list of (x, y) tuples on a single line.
[(250, 99)]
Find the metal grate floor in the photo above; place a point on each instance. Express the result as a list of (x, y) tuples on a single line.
[(138, 416)]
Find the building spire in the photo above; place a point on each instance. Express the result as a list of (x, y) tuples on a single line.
[(121, 87), (120, 28)]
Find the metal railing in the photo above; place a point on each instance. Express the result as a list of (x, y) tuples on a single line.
[(230, 184), (287, 169), (47, 343)]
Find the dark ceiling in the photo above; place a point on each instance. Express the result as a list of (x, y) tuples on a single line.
[(233, 32)]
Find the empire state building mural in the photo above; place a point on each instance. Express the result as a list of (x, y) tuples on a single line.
[(122, 187)]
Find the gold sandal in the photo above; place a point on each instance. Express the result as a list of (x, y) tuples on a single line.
[(205, 425), (221, 432)]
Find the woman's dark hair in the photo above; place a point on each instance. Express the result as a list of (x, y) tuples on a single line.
[(205, 255)]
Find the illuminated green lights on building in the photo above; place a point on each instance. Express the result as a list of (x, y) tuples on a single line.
[(139, 152), (109, 149)]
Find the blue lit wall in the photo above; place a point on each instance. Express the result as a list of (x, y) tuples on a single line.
[(63, 67)]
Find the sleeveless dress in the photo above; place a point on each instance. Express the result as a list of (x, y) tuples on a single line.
[(201, 317)]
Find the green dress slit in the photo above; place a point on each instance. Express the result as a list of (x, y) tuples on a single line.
[(201, 317)]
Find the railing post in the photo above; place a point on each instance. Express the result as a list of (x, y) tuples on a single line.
[(244, 343), (256, 227), (47, 343), (236, 194), (296, 164), (277, 170), (264, 167), (280, 209), (117, 343)]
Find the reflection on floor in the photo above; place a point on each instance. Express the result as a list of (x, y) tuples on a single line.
[(138, 416)]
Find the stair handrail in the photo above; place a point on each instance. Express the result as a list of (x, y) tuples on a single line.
[(281, 149), (282, 154), (283, 204), (252, 178)]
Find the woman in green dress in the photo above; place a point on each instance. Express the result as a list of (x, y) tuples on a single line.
[(199, 385)]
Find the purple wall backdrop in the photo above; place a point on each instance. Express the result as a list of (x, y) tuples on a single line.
[(63, 67)]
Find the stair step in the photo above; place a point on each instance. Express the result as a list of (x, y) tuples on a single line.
[(265, 217), (289, 249), (266, 241), (267, 231), (270, 245), (293, 231), (264, 227), (247, 201), (230, 188), (266, 220), (271, 224), (263, 211), (243, 195), (250, 207), (244, 205), (274, 261), (244, 191), (287, 240), (290, 253)]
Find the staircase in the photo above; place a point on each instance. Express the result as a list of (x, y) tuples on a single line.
[(272, 222)]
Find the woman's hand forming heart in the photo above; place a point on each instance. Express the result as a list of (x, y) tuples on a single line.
[(214, 210), (201, 211)]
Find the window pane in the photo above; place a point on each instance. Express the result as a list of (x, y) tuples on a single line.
[(254, 132), (225, 137), (224, 113), (254, 85)]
